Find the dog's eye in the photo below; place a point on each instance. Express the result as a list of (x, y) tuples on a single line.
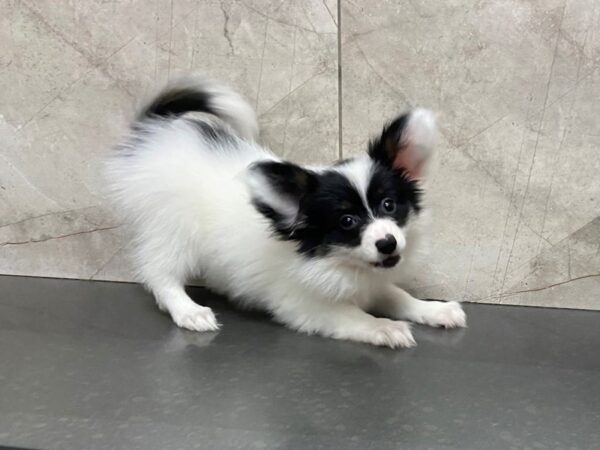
[(388, 205), (348, 222)]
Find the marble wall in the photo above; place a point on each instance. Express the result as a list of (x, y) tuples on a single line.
[(516, 193), (73, 74)]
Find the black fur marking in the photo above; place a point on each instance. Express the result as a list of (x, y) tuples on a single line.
[(178, 101), (334, 197), (388, 181), (394, 184), (384, 148), (213, 132), (322, 198), (287, 178)]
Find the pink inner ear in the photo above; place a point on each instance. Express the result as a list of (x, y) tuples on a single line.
[(407, 159)]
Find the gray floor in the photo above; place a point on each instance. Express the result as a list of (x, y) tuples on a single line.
[(95, 365)]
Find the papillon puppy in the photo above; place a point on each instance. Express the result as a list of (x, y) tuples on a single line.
[(319, 248)]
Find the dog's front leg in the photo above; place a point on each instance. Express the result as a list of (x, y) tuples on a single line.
[(344, 321), (396, 303)]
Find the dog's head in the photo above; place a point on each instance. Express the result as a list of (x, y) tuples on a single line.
[(357, 209)]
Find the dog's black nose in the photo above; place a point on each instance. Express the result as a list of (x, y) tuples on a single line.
[(386, 245)]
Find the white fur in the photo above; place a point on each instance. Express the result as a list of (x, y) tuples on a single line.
[(359, 171), (422, 131), (189, 212)]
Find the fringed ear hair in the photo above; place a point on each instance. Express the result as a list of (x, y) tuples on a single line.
[(406, 143), (277, 188)]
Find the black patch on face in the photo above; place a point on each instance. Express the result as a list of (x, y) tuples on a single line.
[(390, 183), (320, 229), (322, 199)]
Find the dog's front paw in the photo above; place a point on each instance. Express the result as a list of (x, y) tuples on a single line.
[(392, 333), (195, 317), (444, 314)]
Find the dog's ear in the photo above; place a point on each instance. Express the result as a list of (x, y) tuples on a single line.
[(277, 190), (406, 143)]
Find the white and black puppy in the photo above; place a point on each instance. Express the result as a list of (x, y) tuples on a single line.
[(317, 247)]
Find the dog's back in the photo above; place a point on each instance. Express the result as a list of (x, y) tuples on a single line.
[(179, 174)]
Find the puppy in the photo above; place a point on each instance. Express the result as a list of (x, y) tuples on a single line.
[(317, 247)]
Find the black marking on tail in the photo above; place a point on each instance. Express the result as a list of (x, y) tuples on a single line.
[(215, 132), (178, 101)]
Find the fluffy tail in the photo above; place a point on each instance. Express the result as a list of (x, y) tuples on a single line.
[(201, 95)]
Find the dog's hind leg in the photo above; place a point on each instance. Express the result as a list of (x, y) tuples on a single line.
[(165, 277), (165, 261), (172, 298)]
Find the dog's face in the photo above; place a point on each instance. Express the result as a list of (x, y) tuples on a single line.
[(357, 209)]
